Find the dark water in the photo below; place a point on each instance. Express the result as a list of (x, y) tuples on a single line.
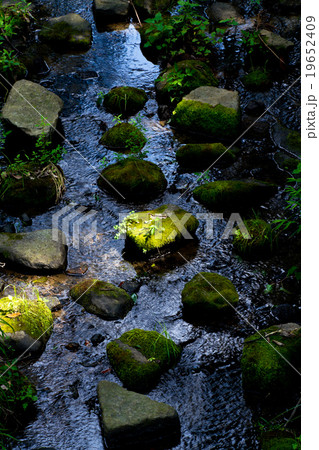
[(205, 387)]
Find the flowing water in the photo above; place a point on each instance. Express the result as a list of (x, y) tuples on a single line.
[(205, 387)]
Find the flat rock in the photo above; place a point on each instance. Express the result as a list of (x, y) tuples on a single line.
[(20, 116), (134, 421), (214, 96), (34, 251), (110, 10), (224, 11)]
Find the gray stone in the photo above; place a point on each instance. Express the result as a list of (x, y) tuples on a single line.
[(53, 303), (26, 103), (111, 10), (215, 96), (224, 11), (35, 251), (132, 420), (276, 42)]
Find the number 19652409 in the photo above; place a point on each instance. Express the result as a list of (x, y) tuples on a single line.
[(310, 47)]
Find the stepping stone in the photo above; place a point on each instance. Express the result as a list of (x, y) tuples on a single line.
[(134, 421), (103, 299), (67, 32), (209, 111), (125, 100), (122, 137), (108, 11), (140, 357), (34, 251)]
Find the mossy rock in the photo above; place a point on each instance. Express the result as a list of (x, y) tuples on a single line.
[(151, 231), (34, 191), (286, 139), (125, 100), (67, 32), (139, 358), (26, 324), (209, 111), (193, 75), (151, 7), (135, 179), (123, 137), (276, 42), (201, 156), (208, 296), (257, 80), (278, 440), (286, 162), (260, 242), (103, 299), (265, 371), (236, 195)]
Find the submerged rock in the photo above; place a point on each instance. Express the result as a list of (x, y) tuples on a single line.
[(235, 195), (103, 299), (265, 371), (201, 156), (210, 111), (32, 192), (26, 324), (35, 251), (209, 296), (140, 357), (134, 421), (154, 230), (123, 137), (108, 11), (23, 119), (260, 242), (67, 32), (125, 100), (192, 73), (134, 179)]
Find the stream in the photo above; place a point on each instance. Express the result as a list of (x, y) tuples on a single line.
[(205, 386)]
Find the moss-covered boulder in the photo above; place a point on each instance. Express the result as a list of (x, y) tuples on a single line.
[(209, 111), (257, 80), (201, 156), (279, 440), (32, 191), (209, 296), (155, 230), (266, 374), (67, 32), (123, 137), (190, 74), (133, 179), (260, 241), (103, 299), (139, 358), (125, 100), (132, 420), (236, 195), (26, 324)]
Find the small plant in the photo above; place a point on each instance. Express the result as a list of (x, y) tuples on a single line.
[(122, 228), (178, 82), (171, 348)]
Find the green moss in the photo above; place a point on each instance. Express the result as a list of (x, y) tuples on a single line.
[(230, 194), (278, 440), (155, 229), (208, 296), (201, 156), (294, 140), (31, 316), (137, 180), (62, 34), (140, 369), (262, 240), (182, 78), (217, 122), (125, 100), (122, 137), (258, 80), (265, 372)]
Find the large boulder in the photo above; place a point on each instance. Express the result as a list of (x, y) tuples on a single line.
[(271, 361), (201, 156), (209, 111), (134, 421), (158, 229), (108, 11), (35, 251), (259, 242), (33, 191), (123, 138), (182, 78), (133, 179), (103, 299), (140, 357), (67, 32), (235, 195), (25, 324), (125, 100), (209, 296), (26, 103)]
